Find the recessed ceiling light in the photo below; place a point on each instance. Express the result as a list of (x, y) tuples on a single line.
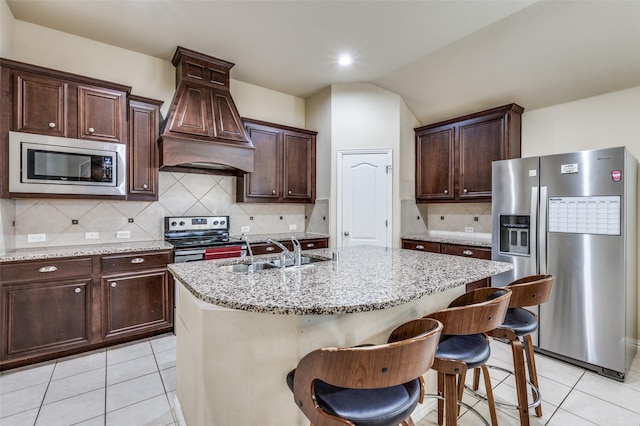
[(345, 60)]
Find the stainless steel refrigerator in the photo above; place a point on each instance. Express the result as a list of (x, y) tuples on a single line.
[(574, 216)]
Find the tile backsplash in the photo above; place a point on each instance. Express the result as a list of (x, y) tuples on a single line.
[(180, 194), (454, 217)]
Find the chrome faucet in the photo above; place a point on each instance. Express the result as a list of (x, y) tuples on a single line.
[(285, 252), (297, 251), (246, 241)]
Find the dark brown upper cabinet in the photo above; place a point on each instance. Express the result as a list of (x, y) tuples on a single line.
[(284, 165), (453, 157), (144, 127)]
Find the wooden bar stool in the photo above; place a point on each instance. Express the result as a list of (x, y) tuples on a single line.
[(371, 385), (465, 345), (519, 323)]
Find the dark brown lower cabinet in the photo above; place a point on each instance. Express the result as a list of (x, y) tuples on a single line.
[(135, 303), (45, 316), (455, 250), (57, 307)]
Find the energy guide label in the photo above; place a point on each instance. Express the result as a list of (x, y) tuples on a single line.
[(585, 215)]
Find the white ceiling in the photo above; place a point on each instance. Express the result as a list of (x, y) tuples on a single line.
[(443, 57)]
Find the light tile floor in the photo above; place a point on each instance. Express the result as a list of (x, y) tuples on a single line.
[(131, 384), (134, 385)]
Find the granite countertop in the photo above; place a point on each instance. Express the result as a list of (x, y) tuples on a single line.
[(463, 238), (82, 250), (365, 278)]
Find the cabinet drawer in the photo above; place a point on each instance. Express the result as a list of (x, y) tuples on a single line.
[(134, 261), (266, 248), (467, 251), (50, 269), (314, 244), (421, 246)]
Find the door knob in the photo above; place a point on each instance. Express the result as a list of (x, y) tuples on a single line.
[(346, 233)]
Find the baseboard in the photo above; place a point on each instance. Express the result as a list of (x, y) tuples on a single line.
[(178, 411)]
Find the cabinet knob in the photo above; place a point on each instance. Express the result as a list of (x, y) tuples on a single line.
[(310, 245), (52, 125), (114, 284), (78, 290), (464, 191), (273, 191), (137, 260), (145, 186), (446, 191), (269, 248), (467, 253), (48, 269), (289, 192), (91, 130), (419, 247)]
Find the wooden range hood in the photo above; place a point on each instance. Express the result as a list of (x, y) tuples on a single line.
[(203, 132)]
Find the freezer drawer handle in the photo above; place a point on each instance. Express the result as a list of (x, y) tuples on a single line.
[(48, 269), (467, 253), (137, 260)]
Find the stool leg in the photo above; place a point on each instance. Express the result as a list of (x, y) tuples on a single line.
[(440, 402), (521, 380), (462, 377), (476, 379), (533, 372), (491, 402), (451, 399)]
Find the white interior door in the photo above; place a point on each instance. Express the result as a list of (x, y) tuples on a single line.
[(364, 198)]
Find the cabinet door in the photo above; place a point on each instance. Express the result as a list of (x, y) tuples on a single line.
[(45, 317), (264, 182), (480, 142), (143, 153), (470, 251), (299, 167), (101, 114), (434, 164), (136, 303), (41, 104)]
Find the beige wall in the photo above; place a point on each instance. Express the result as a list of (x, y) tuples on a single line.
[(7, 207)]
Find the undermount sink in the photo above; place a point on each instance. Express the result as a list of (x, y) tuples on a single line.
[(273, 264)]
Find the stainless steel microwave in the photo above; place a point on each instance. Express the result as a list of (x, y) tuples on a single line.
[(49, 164)]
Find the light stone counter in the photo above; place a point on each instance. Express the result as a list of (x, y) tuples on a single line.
[(82, 250), (365, 278), (239, 334), (462, 238)]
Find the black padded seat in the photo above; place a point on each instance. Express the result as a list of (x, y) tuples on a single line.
[(367, 407), (472, 349), (521, 321)]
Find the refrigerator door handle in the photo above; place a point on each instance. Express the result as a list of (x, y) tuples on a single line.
[(542, 231), (533, 239)]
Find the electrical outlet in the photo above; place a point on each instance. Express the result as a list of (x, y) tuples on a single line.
[(91, 235), (468, 229), (123, 234), (245, 228), (36, 238), (293, 227)]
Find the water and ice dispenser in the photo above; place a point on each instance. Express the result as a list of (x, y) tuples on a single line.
[(514, 234)]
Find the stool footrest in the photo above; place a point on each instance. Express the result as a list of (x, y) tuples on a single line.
[(464, 404), (537, 397)]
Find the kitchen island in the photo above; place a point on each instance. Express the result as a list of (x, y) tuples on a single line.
[(240, 333)]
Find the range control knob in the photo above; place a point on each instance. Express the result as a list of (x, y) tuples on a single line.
[(215, 222), (174, 223), (222, 222), (181, 223)]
